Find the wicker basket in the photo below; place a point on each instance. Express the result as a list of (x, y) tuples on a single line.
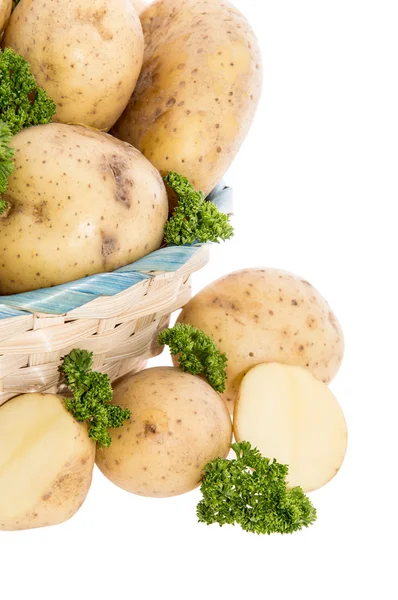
[(117, 316)]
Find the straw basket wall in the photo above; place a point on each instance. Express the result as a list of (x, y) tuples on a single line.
[(117, 316)]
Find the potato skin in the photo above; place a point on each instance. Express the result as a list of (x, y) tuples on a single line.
[(46, 462), (82, 203), (267, 315), (179, 424), (5, 12), (86, 54), (198, 89), (139, 5)]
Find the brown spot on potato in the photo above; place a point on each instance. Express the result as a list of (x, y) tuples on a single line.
[(118, 167), (95, 18), (149, 428), (311, 323), (40, 212), (109, 246)]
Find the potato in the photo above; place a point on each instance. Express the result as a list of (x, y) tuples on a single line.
[(139, 5), (291, 416), (5, 12), (46, 462), (267, 315), (179, 424), (86, 54), (82, 203), (198, 89)]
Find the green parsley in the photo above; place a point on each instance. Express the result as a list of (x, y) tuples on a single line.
[(92, 397), (22, 102), (194, 218), (6, 163), (196, 353), (250, 491)]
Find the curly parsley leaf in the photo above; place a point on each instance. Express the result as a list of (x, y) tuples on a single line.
[(92, 397), (22, 102), (196, 353), (194, 219), (250, 491)]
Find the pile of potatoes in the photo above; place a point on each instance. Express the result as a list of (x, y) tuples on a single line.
[(178, 424), (174, 89), (283, 343)]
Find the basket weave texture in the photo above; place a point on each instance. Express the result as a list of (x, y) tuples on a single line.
[(116, 316), (120, 330)]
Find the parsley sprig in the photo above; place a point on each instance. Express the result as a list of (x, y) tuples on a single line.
[(250, 491), (196, 353), (92, 397), (22, 102), (194, 218), (6, 163)]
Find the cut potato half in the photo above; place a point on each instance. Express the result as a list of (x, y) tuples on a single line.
[(292, 417), (46, 462)]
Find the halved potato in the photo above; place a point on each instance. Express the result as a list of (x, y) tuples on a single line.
[(267, 315), (46, 462), (291, 416)]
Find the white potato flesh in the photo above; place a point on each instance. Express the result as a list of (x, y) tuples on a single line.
[(291, 416), (46, 462)]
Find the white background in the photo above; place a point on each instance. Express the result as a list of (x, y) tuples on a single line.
[(315, 193)]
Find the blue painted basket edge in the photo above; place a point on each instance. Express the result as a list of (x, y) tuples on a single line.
[(66, 297)]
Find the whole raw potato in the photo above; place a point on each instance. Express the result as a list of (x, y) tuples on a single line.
[(198, 89), (5, 12), (46, 462), (82, 203), (179, 424), (267, 315), (86, 54)]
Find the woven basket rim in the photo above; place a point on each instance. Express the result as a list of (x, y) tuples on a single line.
[(67, 297)]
